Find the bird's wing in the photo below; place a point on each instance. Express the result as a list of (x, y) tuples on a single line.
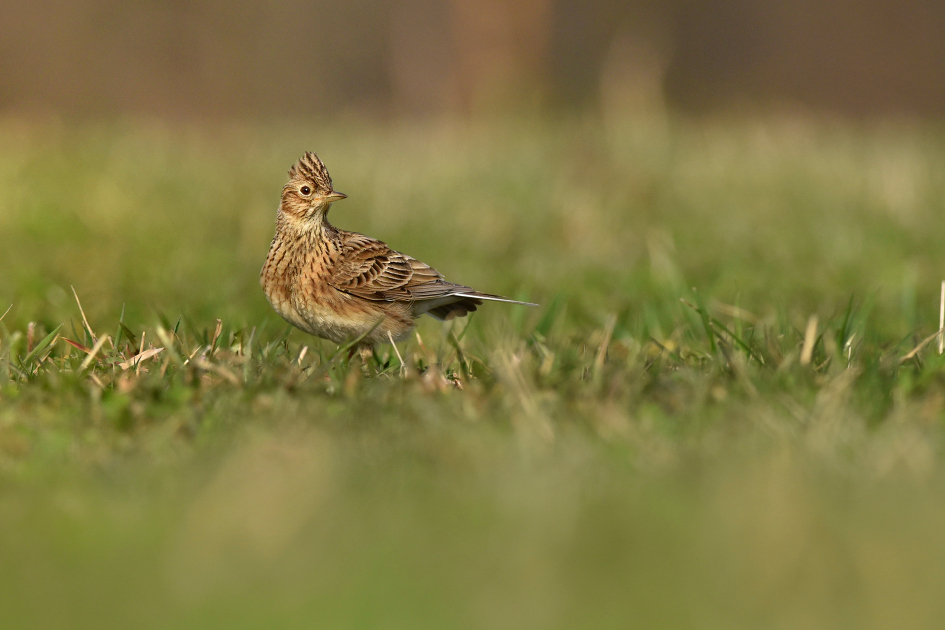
[(369, 269)]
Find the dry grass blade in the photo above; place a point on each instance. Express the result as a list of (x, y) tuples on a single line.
[(941, 321), (77, 345), (810, 338), (428, 356), (216, 336), (219, 370), (95, 350), (141, 348), (5, 312), (84, 320), (919, 347), (403, 366), (168, 341), (602, 351), (136, 360)]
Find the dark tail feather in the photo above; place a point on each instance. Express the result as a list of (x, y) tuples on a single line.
[(460, 308), (492, 298)]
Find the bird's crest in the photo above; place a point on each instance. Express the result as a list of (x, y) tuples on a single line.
[(311, 168)]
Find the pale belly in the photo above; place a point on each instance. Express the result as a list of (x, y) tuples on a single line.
[(344, 318)]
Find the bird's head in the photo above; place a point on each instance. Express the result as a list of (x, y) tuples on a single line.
[(309, 190)]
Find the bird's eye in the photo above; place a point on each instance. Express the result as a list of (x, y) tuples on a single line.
[(305, 190)]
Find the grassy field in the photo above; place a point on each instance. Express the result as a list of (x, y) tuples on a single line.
[(715, 420)]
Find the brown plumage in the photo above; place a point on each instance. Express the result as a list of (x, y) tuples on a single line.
[(341, 285)]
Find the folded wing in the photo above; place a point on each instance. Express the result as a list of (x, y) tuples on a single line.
[(369, 269)]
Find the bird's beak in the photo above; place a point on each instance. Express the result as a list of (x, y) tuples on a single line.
[(334, 196)]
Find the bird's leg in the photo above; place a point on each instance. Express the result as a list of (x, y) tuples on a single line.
[(365, 351)]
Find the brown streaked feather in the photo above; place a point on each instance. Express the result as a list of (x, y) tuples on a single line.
[(310, 168), (369, 269)]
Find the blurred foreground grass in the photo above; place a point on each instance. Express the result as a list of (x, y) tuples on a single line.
[(651, 448)]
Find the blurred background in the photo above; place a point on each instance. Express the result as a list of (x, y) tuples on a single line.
[(297, 58)]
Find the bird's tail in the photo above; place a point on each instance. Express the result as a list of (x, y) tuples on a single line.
[(460, 308), (467, 302), (476, 295)]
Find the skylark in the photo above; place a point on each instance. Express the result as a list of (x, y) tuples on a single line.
[(343, 285)]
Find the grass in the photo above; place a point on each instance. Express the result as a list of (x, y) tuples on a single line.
[(715, 420)]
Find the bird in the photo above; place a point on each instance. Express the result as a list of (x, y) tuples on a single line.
[(344, 286)]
